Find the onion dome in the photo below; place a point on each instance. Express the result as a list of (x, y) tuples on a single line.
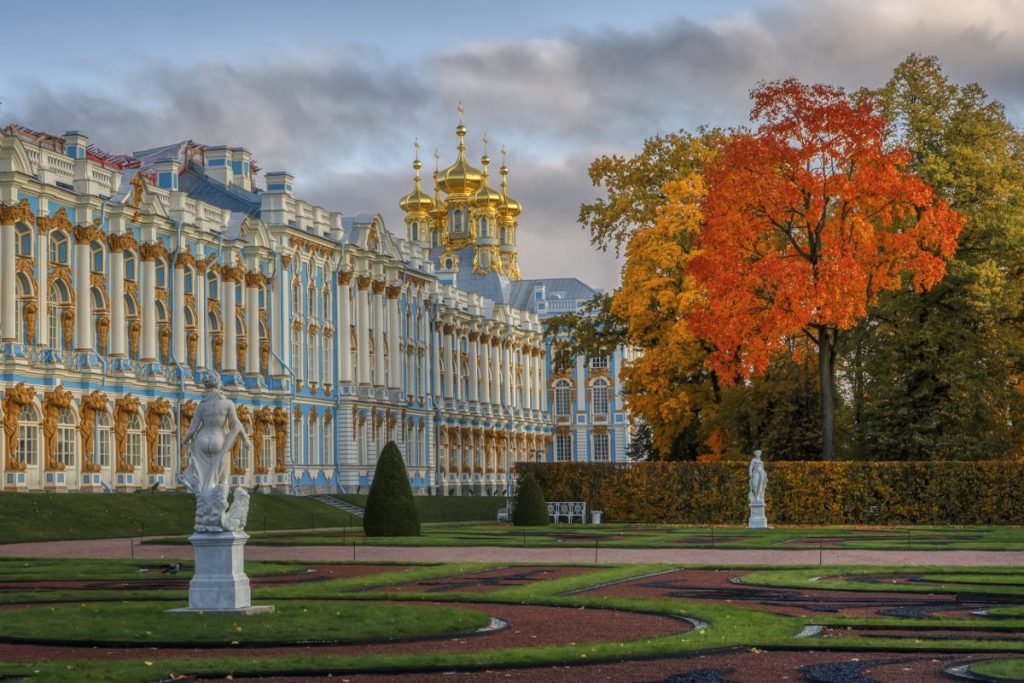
[(416, 201), (438, 214), (509, 207), (486, 197), (460, 178)]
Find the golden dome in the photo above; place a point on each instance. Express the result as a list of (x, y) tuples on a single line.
[(438, 214), (486, 197), (416, 201), (460, 178), (509, 207)]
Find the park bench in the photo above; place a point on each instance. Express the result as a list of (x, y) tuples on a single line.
[(568, 510)]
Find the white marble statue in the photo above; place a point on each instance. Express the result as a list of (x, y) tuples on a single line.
[(209, 438), (758, 479)]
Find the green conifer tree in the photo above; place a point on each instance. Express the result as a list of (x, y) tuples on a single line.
[(390, 509), (531, 509)]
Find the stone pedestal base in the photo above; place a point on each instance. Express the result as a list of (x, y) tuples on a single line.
[(219, 582), (757, 518)]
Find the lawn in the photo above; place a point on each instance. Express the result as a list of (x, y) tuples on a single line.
[(447, 508), (51, 517)]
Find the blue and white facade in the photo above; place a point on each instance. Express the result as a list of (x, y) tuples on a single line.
[(123, 277), (588, 412)]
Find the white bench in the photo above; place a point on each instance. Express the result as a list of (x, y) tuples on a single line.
[(568, 510), (505, 513)]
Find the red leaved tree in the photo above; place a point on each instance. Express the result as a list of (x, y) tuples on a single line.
[(808, 218)]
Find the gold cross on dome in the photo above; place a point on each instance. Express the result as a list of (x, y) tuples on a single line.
[(461, 110)]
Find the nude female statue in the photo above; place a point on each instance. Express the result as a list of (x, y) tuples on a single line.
[(758, 479), (212, 432)]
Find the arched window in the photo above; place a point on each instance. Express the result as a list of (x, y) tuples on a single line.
[(328, 453), (129, 266), (58, 248), (314, 442), (312, 355), (296, 298), (161, 272), (327, 312), (24, 240), (133, 442), (602, 449), (297, 352), (165, 442), (373, 363), (297, 454), (98, 258), (189, 280), (326, 356), (28, 435), (563, 403), (311, 302), (415, 231), (599, 397), (244, 452), (102, 447), (66, 441), (464, 380), (23, 294), (268, 447), (212, 286), (58, 300)]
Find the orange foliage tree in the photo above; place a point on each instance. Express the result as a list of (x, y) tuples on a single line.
[(807, 219)]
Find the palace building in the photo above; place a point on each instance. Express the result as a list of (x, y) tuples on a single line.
[(124, 277)]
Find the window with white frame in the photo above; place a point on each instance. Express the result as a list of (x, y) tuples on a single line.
[(314, 442), (268, 447), (563, 399), (311, 357), (58, 251), (599, 397), (328, 452), (601, 447), (311, 302), (563, 447), (165, 442), (327, 304), (65, 449), (28, 435), (103, 435), (133, 441), (599, 362), (325, 360), (297, 455), (296, 298), (297, 351)]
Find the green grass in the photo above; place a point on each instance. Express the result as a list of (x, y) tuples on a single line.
[(447, 508), (52, 517), (1007, 611), (145, 623), (1002, 669), (988, 580), (41, 569)]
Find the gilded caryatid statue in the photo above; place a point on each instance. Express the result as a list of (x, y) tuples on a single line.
[(30, 311), (134, 330), (103, 332), (93, 403), (124, 408), (210, 436), (15, 398), (67, 321), (53, 403)]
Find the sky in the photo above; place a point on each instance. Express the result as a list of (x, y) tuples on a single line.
[(337, 92)]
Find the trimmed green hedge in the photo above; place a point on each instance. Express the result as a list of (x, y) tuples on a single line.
[(390, 510), (530, 509), (947, 492)]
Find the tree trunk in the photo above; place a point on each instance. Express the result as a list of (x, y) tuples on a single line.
[(825, 359)]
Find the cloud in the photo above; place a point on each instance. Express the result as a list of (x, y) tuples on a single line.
[(343, 119)]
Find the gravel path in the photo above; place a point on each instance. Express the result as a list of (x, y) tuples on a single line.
[(123, 547)]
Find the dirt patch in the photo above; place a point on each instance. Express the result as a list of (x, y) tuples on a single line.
[(487, 581)]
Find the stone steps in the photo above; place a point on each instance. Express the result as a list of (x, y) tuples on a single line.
[(353, 510)]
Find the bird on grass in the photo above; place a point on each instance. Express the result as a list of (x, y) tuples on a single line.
[(172, 568)]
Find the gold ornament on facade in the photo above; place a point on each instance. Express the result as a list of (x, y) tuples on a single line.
[(102, 331), (184, 259), (29, 312), (236, 447), (260, 419), (186, 411), (134, 330), (25, 264), (281, 437), (53, 402), (165, 343), (286, 261), (364, 281), (124, 408), (264, 357), (58, 221), (243, 347), (379, 287), (156, 410), (138, 193), (393, 291), (344, 277), (15, 398), (232, 273), (151, 251), (255, 279), (86, 234), (17, 213), (161, 295), (191, 343), (131, 287), (122, 243), (93, 403), (68, 322)]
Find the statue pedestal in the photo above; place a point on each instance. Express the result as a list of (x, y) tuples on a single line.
[(757, 518), (219, 583)]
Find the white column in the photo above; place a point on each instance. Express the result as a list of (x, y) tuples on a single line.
[(229, 366), (344, 328), (507, 351), (378, 333), (252, 320), (42, 287), (446, 355), (202, 313), (542, 380), (485, 368), (148, 295), (395, 336), (495, 372), (118, 329), (83, 300), (363, 329), (178, 315), (436, 353), (581, 390), (8, 314), (528, 377), (277, 316), (474, 346)]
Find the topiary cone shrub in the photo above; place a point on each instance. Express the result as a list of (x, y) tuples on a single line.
[(531, 509), (390, 510)]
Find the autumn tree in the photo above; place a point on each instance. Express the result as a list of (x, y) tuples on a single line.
[(808, 218), (938, 372)]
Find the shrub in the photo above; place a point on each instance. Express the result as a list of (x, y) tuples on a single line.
[(390, 510), (530, 510), (798, 492)]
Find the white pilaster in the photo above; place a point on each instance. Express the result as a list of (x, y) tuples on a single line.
[(252, 322), (147, 285), (178, 315), (395, 335), (42, 287), (446, 355), (378, 334), (8, 314), (118, 330), (344, 327), (363, 329), (227, 309), (83, 300), (474, 347), (507, 353), (202, 311)]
